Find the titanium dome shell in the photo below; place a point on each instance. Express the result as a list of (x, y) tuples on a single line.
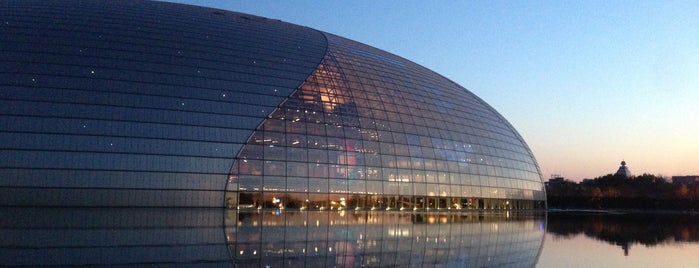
[(151, 104)]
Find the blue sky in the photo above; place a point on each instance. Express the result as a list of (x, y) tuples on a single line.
[(586, 83)]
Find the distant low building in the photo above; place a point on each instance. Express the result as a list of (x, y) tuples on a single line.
[(688, 180), (554, 180), (587, 181)]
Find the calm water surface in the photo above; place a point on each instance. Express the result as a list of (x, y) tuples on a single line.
[(229, 238), (621, 240)]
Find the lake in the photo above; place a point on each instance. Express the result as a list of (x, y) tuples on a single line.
[(278, 238), (621, 240)]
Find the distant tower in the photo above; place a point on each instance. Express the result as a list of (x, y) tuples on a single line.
[(623, 170)]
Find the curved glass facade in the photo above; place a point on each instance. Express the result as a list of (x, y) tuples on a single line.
[(371, 130), (131, 103)]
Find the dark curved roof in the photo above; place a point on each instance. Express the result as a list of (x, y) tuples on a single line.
[(115, 102)]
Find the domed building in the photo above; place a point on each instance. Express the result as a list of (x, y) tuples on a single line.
[(133, 103), (623, 170)]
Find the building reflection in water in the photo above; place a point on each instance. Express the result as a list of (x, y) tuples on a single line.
[(381, 239), (34, 237), (69, 237), (627, 229)]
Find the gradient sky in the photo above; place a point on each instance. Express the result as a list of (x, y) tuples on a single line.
[(586, 83)]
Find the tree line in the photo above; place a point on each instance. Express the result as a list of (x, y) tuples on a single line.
[(616, 191)]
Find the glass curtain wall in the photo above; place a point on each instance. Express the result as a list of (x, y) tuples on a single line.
[(368, 130)]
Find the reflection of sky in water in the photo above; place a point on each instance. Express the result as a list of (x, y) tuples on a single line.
[(584, 251), (621, 240), (214, 237)]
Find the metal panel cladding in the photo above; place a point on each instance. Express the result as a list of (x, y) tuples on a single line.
[(133, 103)]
